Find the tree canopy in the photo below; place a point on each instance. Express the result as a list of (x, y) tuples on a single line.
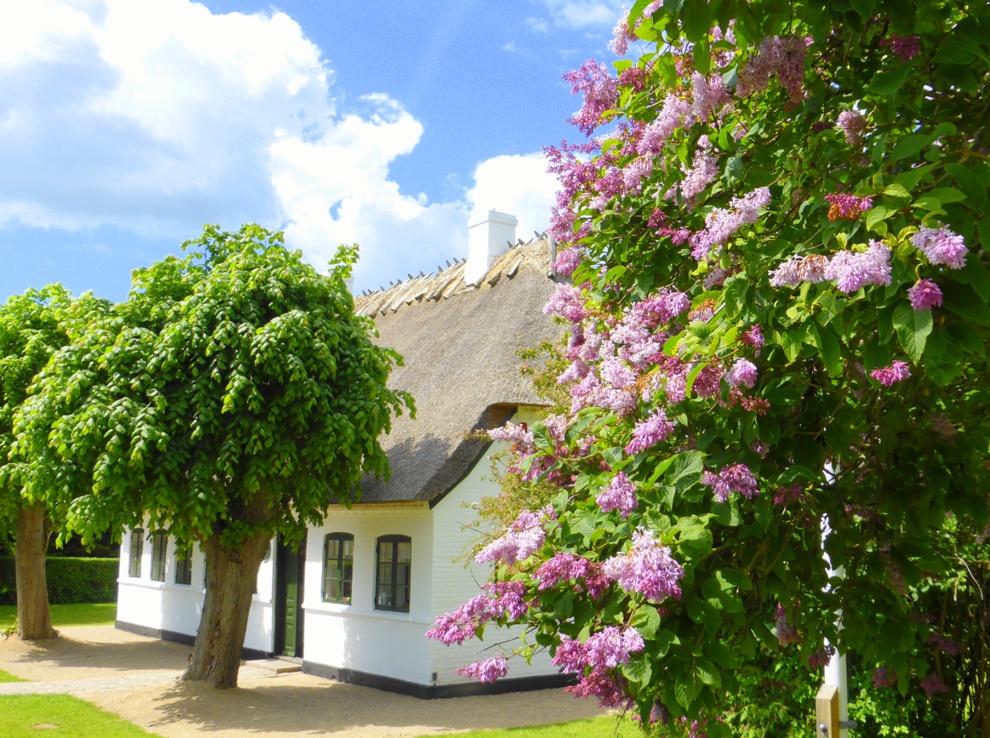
[(779, 320), (232, 397)]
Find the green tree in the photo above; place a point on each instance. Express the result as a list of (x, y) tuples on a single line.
[(32, 327), (231, 398), (778, 244)]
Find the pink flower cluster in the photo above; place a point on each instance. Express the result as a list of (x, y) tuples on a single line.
[(853, 124), (703, 171), (565, 301), (853, 270), (524, 537), (647, 567), (796, 270), (722, 223), (619, 495), (888, 375), (505, 599), (941, 246), (885, 677), (778, 56), (906, 47), (786, 633), (567, 261), (846, 206), (648, 433), (486, 671), (600, 91), (925, 295), (674, 114), (710, 96), (595, 660), (734, 478), (742, 374), (566, 567), (933, 684)]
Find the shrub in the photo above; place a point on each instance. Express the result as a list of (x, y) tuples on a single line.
[(70, 580)]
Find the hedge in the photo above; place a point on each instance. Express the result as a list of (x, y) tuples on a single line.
[(71, 580)]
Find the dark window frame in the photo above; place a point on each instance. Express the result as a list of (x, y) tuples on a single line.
[(159, 555), (136, 553), (183, 565), (343, 568), (398, 573)]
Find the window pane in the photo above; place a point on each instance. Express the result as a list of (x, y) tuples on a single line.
[(137, 550), (405, 552), (183, 566), (385, 551)]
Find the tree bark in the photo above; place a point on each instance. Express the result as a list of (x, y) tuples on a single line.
[(232, 574), (34, 619)]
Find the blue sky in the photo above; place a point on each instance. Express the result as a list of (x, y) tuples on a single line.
[(125, 126)]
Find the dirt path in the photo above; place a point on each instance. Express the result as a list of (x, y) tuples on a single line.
[(137, 678)]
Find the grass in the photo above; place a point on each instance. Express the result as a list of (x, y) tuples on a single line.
[(60, 715), (91, 613), (5, 677), (593, 728)]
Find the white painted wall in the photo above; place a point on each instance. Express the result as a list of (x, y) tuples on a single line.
[(357, 636), (454, 584), (178, 607)]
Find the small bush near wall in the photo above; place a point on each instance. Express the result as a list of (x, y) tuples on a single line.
[(70, 580)]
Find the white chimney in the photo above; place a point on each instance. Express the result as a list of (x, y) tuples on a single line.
[(487, 240)]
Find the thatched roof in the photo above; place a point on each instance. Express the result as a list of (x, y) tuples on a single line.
[(459, 344)]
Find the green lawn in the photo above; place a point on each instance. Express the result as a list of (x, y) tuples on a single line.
[(595, 728), (94, 613), (5, 677), (60, 715)]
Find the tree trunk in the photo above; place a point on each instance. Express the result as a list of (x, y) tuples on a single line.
[(230, 584), (34, 619)]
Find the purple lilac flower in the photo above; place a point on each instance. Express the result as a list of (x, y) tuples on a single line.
[(505, 599), (607, 649), (567, 261), (523, 538), (925, 295), (742, 374), (906, 47), (600, 91), (847, 207), (734, 478), (647, 568), (888, 375), (619, 495), (616, 373), (885, 677), (722, 223), (703, 171), (661, 308), (780, 56), (797, 270), (706, 384), (852, 124), (753, 337), (608, 687), (786, 633), (650, 432), (821, 657), (932, 684), (941, 246), (566, 301), (520, 436), (710, 96), (486, 671), (563, 567), (622, 34), (674, 114), (853, 270)]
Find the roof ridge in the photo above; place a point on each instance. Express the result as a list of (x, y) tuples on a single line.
[(449, 281)]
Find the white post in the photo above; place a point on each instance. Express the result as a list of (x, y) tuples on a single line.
[(835, 669)]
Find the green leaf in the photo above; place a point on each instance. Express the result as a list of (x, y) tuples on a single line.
[(697, 18), (877, 215), (947, 194), (896, 190), (912, 327), (828, 349), (910, 146), (707, 673)]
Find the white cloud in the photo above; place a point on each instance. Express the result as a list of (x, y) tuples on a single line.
[(160, 116), (538, 25), (519, 185), (585, 14)]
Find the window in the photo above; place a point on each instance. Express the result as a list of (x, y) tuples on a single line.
[(159, 547), (394, 562), (338, 567), (137, 549), (183, 565)]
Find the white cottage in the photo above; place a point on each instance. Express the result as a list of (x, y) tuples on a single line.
[(354, 603)]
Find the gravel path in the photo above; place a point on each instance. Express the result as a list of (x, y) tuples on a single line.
[(137, 678)]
